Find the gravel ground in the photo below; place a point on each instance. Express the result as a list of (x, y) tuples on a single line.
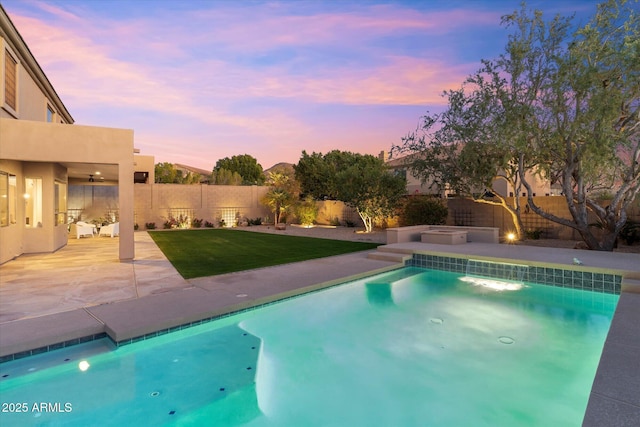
[(379, 236)]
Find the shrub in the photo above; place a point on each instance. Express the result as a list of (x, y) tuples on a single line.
[(307, 211), (257, 221), (349, 223), (150, 225), (630, 233), (208, 224), (181, 222), (335, 222), (196, 223), (422, 210), (136, 226), (533, 234)]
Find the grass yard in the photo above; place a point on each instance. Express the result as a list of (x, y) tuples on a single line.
[(198, 253)]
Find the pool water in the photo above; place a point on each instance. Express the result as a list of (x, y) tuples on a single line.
[(412, 347)]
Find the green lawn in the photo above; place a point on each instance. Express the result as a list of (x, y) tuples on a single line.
[(198, 253)]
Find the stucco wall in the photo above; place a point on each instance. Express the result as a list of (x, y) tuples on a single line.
[(158, 202), (467, 212)]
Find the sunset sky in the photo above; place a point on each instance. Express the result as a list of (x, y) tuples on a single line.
[(198, 81)]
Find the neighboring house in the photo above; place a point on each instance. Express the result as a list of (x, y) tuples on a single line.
[(205, 176), (42, 153), (414, 185), (400, 166)]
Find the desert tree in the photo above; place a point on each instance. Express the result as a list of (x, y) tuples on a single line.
[(557, 105)]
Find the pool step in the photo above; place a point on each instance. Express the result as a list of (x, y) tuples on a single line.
[(386, 255)]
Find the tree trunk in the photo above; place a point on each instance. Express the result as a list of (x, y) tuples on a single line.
[(276, 214), (513, 211), (367, 220), (611, 219)]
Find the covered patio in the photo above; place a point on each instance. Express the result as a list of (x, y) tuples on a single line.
[(49, 156)]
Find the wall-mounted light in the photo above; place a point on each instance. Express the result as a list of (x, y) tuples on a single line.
[(91, 178)]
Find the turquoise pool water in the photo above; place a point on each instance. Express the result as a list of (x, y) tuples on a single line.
[(412, 347)]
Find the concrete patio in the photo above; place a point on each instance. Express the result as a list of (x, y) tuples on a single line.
[(82, 291)]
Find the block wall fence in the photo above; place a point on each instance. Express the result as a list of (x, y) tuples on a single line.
[(468, 213), (158, 202)]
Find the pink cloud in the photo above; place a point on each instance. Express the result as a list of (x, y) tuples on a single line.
[(269, 27), (146, 65)]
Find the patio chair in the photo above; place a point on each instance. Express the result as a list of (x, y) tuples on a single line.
[(81, 228), (110, 230)]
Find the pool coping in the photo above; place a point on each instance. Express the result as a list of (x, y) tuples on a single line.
[(207, 298), (613, 399)]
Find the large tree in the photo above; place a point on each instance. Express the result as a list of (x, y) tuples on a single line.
[(369, 187), (167, 173), (223, 176), (561, 106), (316, 172), (245, 165), (361, 181), (463, 152)]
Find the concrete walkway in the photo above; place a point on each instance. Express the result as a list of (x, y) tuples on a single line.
[(53, 300), (81, 291)]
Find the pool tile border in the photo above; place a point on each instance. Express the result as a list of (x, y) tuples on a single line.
[(52, 347), (583, 280)]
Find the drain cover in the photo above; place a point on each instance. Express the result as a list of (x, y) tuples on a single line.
[(506, 340)]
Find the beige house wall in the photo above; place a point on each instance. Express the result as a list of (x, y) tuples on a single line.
[(34, 90), (146, 164), (539, 187), (42, 149), (33, 145)]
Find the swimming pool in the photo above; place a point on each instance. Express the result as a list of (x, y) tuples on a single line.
[(409, 347)]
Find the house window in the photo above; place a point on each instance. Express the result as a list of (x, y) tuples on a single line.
[(4, 199), (8, 201), (33, 202), (13, 198), (50, 114), (140, 177), (10, 80), (60, 200)]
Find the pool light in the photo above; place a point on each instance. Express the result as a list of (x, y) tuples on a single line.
[(496, 285), (83, 366)]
